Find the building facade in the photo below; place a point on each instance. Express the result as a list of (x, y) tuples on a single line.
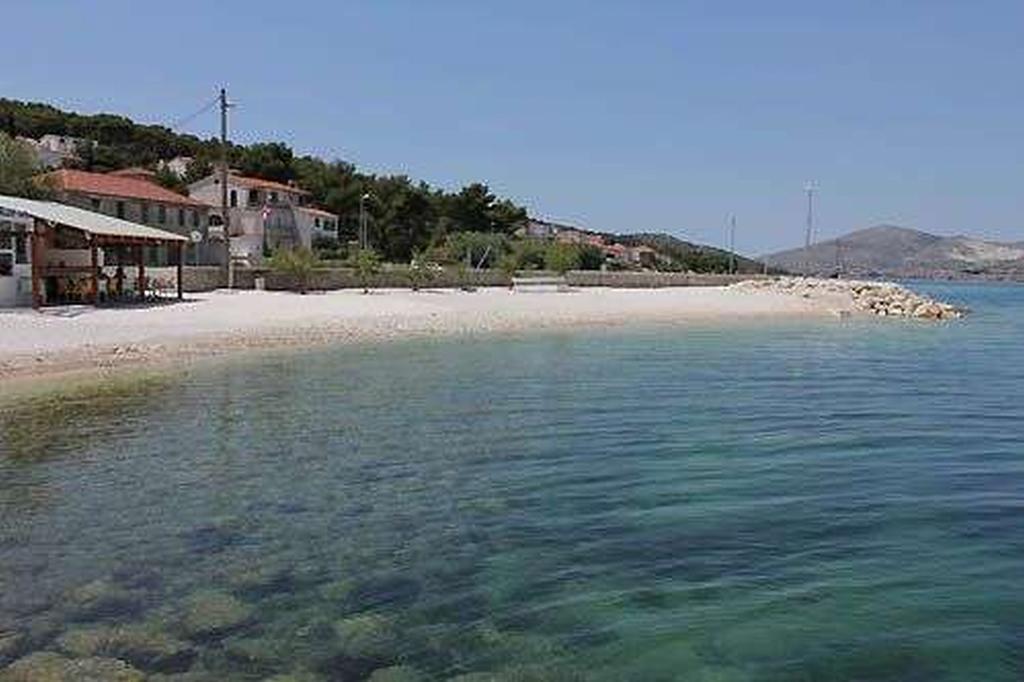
[(264, 215), (15, 259), (132, 195)]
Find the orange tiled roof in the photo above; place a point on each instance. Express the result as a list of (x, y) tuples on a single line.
[(315, 211), (116, 186), (260, 183), (133, 172)]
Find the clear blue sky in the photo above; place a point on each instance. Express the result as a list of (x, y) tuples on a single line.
[(660, 115)]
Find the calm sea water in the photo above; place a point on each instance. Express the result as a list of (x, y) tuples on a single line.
[(793, 501)]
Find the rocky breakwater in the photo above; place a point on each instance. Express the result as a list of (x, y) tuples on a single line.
[(884, 299)]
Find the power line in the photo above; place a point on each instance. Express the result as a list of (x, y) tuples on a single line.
[(196, 114)]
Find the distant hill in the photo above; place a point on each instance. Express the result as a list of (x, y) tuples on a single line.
[(888, 250), (690, 256)]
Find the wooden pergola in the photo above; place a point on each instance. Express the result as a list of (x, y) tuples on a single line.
[(97, 231)]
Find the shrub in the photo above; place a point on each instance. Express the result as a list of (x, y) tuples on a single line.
[(298, 264), (562, 258), (367, 264)]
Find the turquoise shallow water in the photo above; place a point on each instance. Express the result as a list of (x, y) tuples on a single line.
[(793, 501)]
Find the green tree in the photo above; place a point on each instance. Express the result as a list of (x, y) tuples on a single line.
[(421, 270), (297, 264), (165, 177), (509, 265), (484, 248), (562, 258), (591, 257), (531, 254), (18, 170), (367, 264), (268, 160), (197, 169)]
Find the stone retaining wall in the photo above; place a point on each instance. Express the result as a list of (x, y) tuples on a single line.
[(207, 278), (195, 278)]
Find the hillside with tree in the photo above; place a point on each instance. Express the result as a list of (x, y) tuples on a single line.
[(405, 218)]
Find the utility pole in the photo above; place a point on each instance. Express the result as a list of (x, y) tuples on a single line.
[(810, 189), (225, 220), (732, 245)]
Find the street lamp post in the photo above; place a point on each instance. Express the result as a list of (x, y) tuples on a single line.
[(363, 237)]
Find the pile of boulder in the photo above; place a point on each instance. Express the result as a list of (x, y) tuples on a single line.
[(884, 299)]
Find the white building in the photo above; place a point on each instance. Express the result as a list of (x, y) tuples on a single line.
[(178, 165), (15, 263), (263, 214), (64, 144), (314, 224)]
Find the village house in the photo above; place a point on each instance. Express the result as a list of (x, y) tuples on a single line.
[(178, 165), (55, 151), (264, 215), (132, 195)]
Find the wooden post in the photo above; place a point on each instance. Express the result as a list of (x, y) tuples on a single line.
[(95, 275), (140, 256), (181, 270), (37, 265)]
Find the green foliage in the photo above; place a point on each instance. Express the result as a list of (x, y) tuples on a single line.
[(329, 248), (590, 257), (685, 255), (197, 169), (268, 160), (421, 270), (476, 209), (562, 258), (402, 218), (367, 264), (169, 179), (17, 169), (509, 264), (484, 248), (298, 264), (530, 254)]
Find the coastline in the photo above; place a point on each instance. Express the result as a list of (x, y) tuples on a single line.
[(83, 342)]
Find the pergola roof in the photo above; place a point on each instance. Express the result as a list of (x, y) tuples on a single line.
[(104, 227)]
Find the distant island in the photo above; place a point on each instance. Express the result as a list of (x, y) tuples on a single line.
[(892, 251)]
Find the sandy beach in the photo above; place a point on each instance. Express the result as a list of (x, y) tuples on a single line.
[(85, 339)]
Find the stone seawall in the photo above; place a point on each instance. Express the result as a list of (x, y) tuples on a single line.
[(884, 299), (208, 278)]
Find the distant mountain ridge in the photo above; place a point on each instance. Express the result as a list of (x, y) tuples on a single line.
[(892, 251)]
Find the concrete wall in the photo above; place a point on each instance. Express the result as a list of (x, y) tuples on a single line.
[(209, 278), (651, 280), (202, 278)]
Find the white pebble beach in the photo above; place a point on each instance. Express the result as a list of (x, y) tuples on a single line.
[(82, 339)]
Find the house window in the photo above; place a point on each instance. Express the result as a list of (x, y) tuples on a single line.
[(181, 217), (21, 248), (195, 218), (161, 214), (273, 197), (316, 221), (95, 204), (120, 210), (254, 197), (145, 213), (234, 199), (6, 253)]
